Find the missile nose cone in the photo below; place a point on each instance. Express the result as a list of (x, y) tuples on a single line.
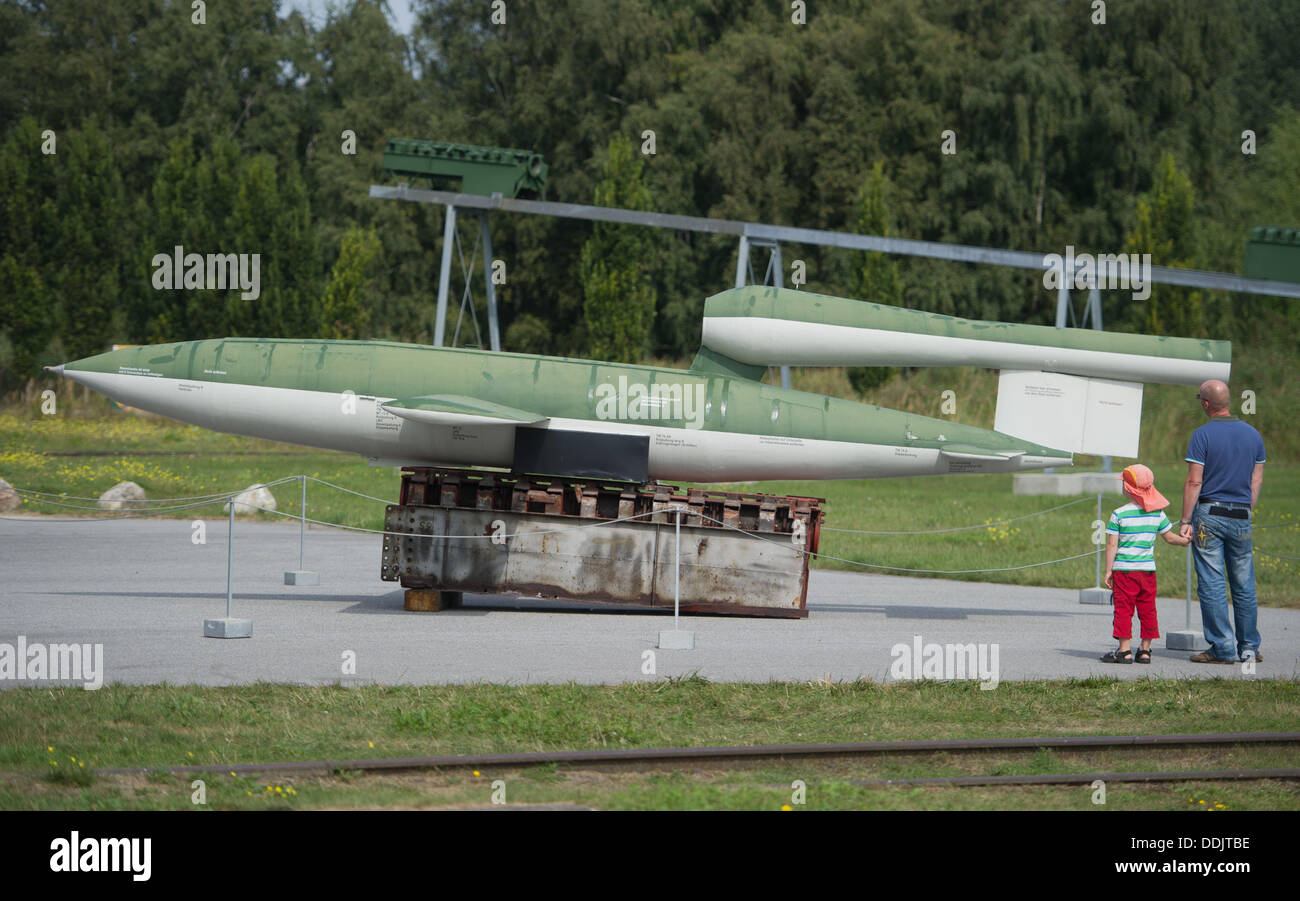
[(57, 370)]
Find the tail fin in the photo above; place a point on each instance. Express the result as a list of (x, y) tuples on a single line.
[(711, 362), (1074, 389)]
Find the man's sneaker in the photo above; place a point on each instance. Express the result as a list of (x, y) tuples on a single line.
[(1207, 657)]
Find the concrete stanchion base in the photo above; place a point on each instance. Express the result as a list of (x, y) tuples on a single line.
[(1066, 483), (430, 600), (1094, 596), (301, 577), (1185, 641), (677, 640), (228, 627)]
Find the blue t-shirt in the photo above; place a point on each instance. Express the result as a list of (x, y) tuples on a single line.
[(1228, 449)]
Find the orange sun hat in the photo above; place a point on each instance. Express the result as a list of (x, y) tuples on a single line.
[(1140, 485)]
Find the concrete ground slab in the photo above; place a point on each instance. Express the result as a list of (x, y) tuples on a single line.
[(142, 589)]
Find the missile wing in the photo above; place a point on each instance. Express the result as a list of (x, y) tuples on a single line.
[(969, 452), (452, 410), (1076, 389)]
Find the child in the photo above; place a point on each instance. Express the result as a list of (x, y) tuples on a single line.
[(1131, 561)]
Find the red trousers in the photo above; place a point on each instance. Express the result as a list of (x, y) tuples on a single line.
[(1134, 589)]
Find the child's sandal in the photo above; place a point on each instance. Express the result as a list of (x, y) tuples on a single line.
[(1143, 656), (1117, 657)]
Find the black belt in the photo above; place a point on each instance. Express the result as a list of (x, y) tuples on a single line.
[(1230, 512)]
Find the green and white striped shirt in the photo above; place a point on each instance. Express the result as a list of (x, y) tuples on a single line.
[(1137, 531)]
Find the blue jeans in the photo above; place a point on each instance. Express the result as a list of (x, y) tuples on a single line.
[(1221, 547)]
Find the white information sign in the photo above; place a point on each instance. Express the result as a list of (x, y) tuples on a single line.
[(1069, 412)]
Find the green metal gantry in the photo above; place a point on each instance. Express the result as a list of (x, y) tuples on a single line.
[(1274, 253), (485, 171), (481, 170)]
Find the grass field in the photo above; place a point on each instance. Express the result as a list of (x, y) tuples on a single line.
[(48, 752), (51, 741), (82, 456)]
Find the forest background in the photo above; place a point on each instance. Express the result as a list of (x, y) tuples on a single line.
[(228, 136)]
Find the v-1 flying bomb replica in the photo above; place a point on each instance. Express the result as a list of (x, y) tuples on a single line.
[(418, 406)]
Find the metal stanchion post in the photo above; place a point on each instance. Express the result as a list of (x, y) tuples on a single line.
[(1185, 640), (1099, 545), (678, 639), (230, 557), (229, 627), (677, 570), (1097, 594), (301, 576)]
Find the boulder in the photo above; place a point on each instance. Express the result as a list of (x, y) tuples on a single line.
[(252, 497), (9, 499), (123, 496)]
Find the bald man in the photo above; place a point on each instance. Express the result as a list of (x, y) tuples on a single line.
[(1225, 469)]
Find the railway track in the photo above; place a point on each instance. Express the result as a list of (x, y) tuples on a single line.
[(656, 757)]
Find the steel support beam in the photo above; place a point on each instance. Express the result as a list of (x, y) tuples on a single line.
[(773, 274), (449, 240), (494, 331), (778, 279), (444, 275), (1091, 312), (742, 263), (1094, 307), (959, 253)]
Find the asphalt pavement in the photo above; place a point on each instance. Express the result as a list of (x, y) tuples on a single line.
[(142, 588)]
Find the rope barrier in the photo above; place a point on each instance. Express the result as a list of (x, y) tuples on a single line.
[(1274, 556), (497, 536), (986, 525), (196, 497), (944, 572), (760, 537), (209, 500), (350, 491), (222, 499), (150, 511)]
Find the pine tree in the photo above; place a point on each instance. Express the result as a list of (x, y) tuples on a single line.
[(877, 275), (618, 298), (1166, 230), (91, 245), (189, 207), (272, 217), (348, 296), (28, 228)]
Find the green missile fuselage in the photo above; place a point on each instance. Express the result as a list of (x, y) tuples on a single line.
[(418, 405)]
